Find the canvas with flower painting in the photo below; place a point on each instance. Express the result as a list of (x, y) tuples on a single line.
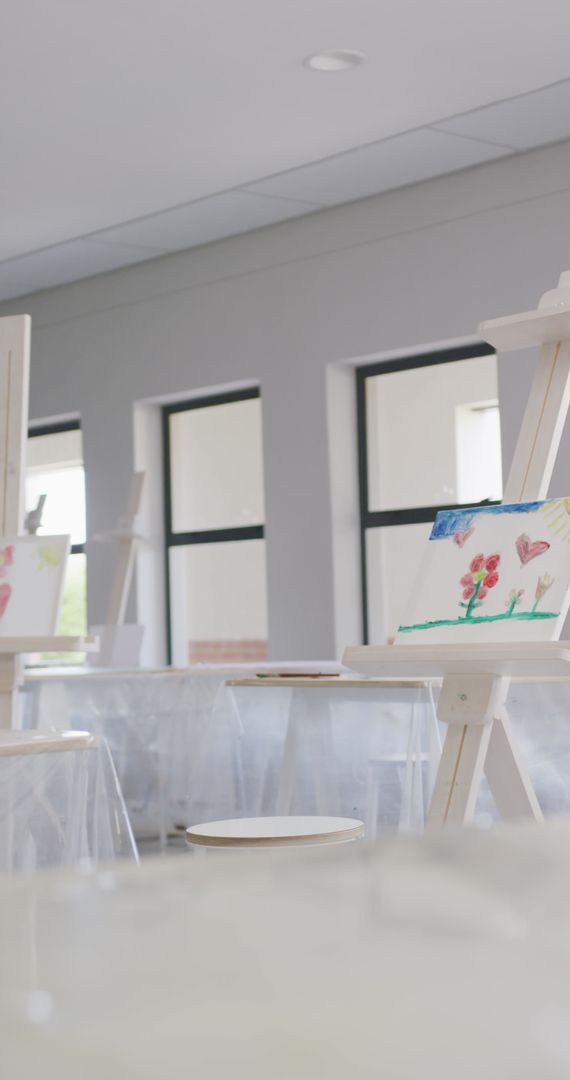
[(493, 573), (32, 570)]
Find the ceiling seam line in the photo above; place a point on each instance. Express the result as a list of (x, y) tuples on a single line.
[(280, 198), (506, 100), (90, 238), (476, 139)]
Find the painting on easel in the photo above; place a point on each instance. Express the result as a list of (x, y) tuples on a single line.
[(32, 570), (493, 573)]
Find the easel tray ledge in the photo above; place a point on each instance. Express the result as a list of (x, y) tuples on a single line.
[(540, 327), (539, 659), (48, 643)]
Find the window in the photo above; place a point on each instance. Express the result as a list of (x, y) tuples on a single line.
[(429, 438), (55, 469), (214, 514)]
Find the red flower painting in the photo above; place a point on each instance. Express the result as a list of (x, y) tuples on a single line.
[(6, 559), (482, 576)]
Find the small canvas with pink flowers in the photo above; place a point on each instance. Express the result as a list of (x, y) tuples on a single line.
[(32, 570), (493, 573)]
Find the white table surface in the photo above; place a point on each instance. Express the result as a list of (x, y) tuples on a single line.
[(49, 672), (16, 743), (441, 958), (339, 682)]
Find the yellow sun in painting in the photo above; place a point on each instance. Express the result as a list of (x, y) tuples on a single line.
[(557, 513)]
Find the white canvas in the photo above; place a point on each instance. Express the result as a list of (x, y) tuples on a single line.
[(492, 573), (32, 570)]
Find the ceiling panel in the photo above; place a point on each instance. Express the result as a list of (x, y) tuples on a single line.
[(206, 220), (66, 262), (529, 120), (206, 97), (9, 289), (130, 108), (379, 167)]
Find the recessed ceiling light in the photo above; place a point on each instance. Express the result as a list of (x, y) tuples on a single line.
[(335, 60)]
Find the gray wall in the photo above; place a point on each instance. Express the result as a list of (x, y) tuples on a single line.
[(288, 306)]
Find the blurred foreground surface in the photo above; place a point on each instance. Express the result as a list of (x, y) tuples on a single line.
[(444, 956)]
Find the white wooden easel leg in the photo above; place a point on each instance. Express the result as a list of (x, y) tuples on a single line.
[(467, 704), (127, 551), (507, 774), (14, 388), (459, 775), (9, 687)]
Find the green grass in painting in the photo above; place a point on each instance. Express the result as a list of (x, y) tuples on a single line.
[(527, 616)]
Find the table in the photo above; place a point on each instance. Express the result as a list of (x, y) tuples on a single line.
[(181, 751), (60, 802), (188, 748), (364, 747), (378, 724), (436, 957)]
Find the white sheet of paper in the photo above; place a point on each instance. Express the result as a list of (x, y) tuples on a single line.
[(32, 571), (492, 573)]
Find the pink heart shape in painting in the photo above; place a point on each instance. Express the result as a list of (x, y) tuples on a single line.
[(528, 549), (461, 538), (5, 594)]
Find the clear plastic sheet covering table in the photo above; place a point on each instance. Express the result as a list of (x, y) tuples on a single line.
[(189, 748), (351, 747), (182, 752), (60, 803), (374, 752), (439, 958)]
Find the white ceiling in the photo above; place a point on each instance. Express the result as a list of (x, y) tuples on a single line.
[(131, 128)]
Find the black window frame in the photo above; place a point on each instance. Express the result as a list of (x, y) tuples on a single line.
[(208, 536), (373, 519), (56, 428)]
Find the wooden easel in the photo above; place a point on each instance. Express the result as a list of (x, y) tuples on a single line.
[(476, 678), (14, 391), (117, 639), (126, 534), (34, 517)]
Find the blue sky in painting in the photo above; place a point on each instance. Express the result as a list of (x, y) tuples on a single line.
[(448, 522)]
